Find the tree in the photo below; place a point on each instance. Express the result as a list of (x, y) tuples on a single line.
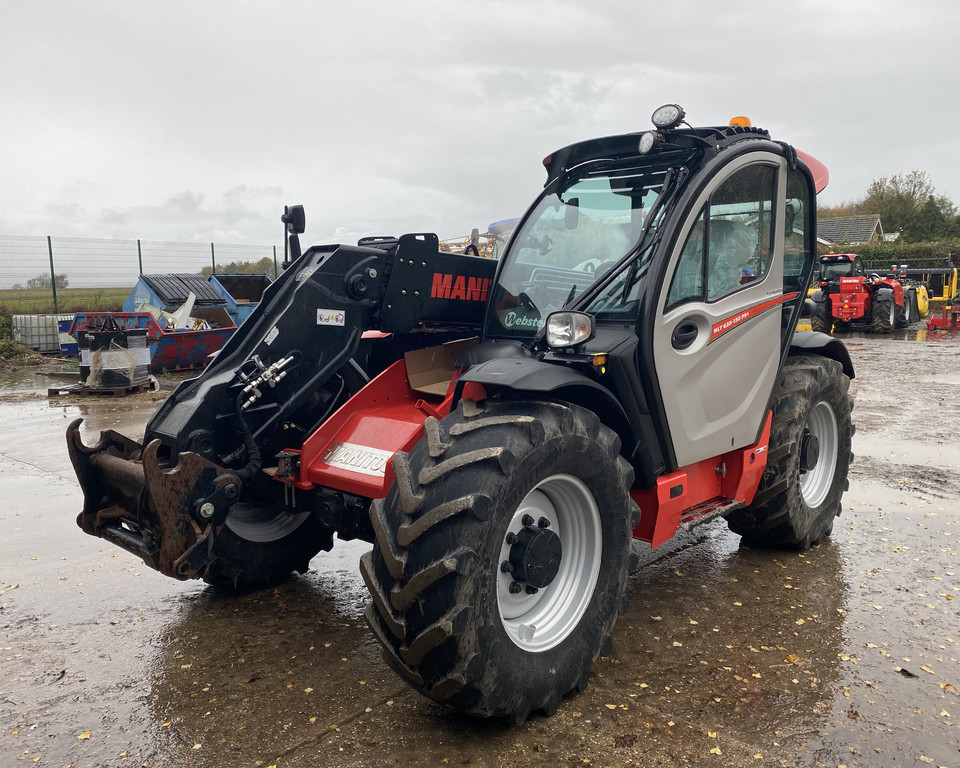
[(935, 220), (897, 199), (262, 267), (906, 203), (42, 282)]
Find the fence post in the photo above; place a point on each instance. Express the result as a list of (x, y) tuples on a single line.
[(53, 274), (139, 257), (275, 262), (213, 260)]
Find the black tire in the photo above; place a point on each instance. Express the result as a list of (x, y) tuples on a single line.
[(911, 305), (259, 547), (795, 505), (443, 607), (883, 314), (821, 319), (899, 314)]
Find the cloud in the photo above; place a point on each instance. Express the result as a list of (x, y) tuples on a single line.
[(177, 119)]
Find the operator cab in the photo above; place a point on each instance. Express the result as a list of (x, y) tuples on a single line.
[(833, 266), (665, 265)]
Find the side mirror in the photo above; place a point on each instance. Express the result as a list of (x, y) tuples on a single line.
[(295, 221), (294, 218)]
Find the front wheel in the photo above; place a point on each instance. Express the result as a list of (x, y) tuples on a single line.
[(821, 320), (501, 556), (259, 546), (809, 457)]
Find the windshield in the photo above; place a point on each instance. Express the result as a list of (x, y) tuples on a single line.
[(574, 234), (831, 271)]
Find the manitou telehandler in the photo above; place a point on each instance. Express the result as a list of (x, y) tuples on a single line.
[(500, 431), (848, 295)]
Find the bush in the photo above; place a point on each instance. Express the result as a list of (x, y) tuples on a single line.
[(883, 255)]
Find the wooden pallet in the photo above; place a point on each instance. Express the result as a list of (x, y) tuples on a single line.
[(82, 389)]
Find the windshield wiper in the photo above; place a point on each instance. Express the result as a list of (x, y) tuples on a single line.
[(671, 180)]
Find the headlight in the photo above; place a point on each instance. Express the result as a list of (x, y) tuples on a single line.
[(567, 329)]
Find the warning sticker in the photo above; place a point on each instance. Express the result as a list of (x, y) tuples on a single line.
[(331, 317)]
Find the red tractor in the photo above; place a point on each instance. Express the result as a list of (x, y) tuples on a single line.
[(501, 431), (848, 295)]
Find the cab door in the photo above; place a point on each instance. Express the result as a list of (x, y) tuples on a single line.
[(717, 341)]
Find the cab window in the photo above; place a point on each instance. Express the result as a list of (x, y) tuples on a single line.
[(730, 243)]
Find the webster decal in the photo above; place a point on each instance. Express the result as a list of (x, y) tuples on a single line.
[(513, 320)]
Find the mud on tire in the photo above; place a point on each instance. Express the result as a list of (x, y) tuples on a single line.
[(501, 556), (809, 456)]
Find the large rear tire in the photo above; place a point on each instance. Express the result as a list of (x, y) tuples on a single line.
[(883, 314), (501, 557), (809, 457)]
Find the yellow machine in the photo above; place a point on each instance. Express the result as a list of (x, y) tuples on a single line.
[(939, 283), (488, 244)]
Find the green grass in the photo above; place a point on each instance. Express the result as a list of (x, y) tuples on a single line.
[(30, 301)]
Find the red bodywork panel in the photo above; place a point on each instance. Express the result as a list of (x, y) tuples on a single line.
[(351, 451), (852, 302), (662, 506), (821, 176)]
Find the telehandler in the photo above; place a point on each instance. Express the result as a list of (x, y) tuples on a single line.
[(501, 431)]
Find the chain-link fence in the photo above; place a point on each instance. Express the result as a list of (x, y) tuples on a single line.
[(52, 263)]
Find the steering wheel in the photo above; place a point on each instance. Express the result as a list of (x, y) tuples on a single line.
[(590, 265)]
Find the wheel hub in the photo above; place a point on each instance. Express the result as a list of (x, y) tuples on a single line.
[(809, 451), (535, 556)]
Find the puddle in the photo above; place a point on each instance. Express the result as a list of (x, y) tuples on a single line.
[(845, 654)]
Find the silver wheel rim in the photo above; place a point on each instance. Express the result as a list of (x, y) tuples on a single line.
[(815, 483), (262, 524), (538, 622)]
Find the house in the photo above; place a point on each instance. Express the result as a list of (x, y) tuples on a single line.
[(850, 230)]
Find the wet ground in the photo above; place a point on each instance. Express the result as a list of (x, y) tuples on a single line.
[(844, 655)]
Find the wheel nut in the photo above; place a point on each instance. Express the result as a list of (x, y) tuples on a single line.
[(543, 523), (515, 589), (506, 566), (532, 590), (526, 520), (511, 538)]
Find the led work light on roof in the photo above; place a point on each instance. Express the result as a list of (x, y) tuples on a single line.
[(568, 329), (668, 116), (648, 141)]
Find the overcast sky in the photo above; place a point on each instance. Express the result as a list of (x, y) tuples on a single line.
[(199, 120)]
